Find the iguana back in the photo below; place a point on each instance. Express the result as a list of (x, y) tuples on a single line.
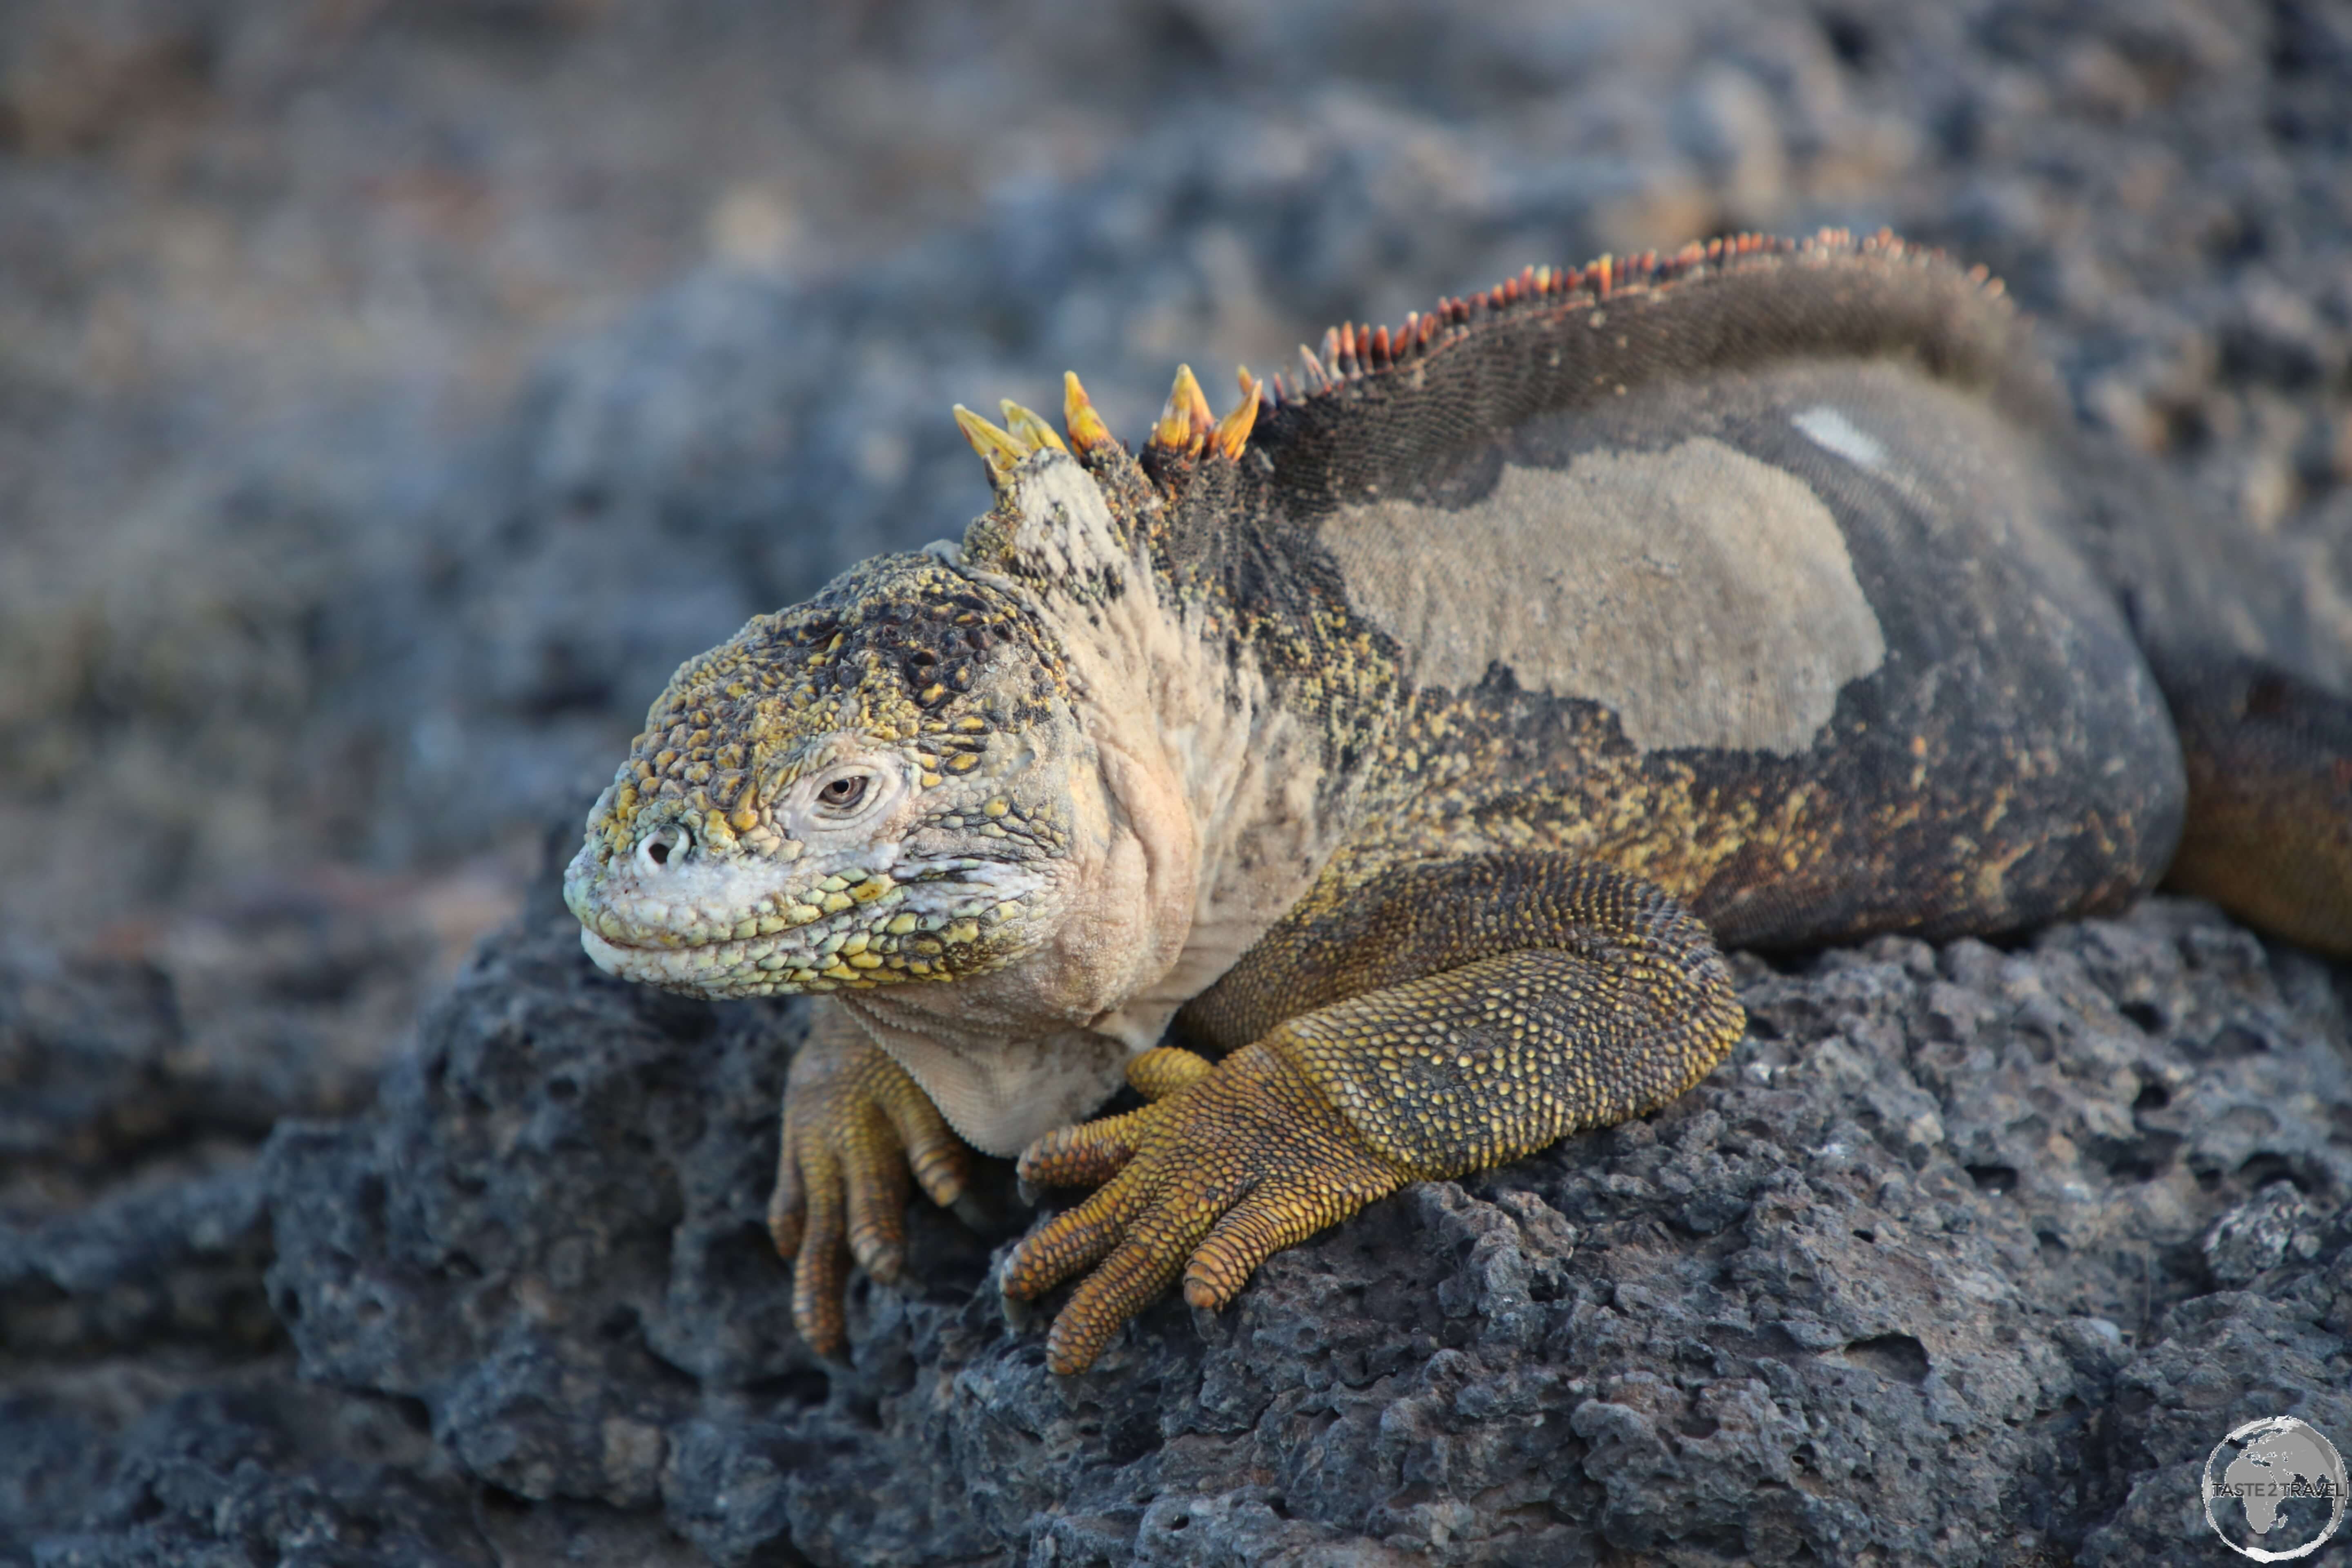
[(1754, 575)]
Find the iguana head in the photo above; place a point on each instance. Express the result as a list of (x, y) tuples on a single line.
[(909, 778), (875, 787)]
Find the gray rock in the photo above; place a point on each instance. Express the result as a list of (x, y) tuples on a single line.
[(178, 1456), (1928, 1270), (118, 1072), (204, 1479), (181, 1262), (1969, 1254), (86, 1053)]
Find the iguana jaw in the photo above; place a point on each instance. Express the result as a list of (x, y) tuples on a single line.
[(750, 928), (909, 895)]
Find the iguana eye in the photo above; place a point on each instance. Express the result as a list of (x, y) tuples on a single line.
[(847, 796), (842, 794)]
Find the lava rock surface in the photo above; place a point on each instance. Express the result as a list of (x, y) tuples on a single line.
[(1968, 1254), (1964, 1254)]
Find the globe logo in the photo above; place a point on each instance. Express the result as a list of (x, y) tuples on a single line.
[(2275, 1490)]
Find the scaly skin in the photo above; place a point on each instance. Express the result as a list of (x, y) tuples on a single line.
[(853, 1124), (1498, 1004), (1249, 1161), (714, 862), (1403, 736)]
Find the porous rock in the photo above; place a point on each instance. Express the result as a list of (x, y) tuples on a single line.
[(2046, 1221), (1966, 1255)]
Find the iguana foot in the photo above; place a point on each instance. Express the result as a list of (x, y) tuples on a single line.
[(1238, 1161), (854, 1123)]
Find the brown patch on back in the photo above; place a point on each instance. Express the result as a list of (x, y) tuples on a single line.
[(1703, 595)]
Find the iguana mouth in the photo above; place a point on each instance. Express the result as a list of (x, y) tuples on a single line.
[(851, 928)]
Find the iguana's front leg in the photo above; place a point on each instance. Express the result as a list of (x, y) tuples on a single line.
[(854, 1123), (1441, 1019)]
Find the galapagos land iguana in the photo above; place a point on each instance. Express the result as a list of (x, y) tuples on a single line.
[(1410, 737)]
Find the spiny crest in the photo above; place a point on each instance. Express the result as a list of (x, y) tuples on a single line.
[(1351, 353), (1086, 426), (1185, 421), (1187, 428)]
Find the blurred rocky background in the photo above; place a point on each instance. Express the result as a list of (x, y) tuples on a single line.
[(391, 393)]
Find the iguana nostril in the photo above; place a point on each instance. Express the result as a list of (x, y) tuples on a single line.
[(663, 844)]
